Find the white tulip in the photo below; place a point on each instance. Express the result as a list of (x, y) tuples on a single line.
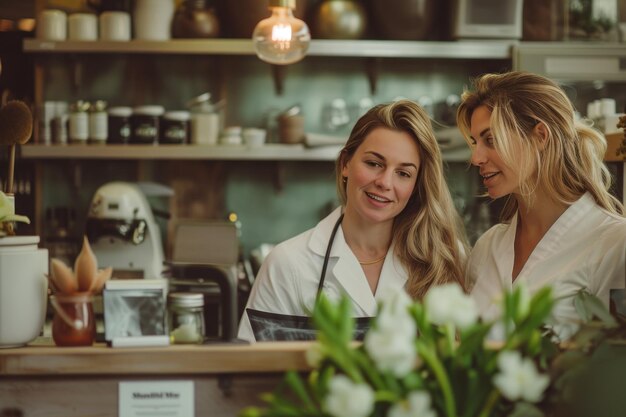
[(392, 351), (448, 304), (395, 301), (416, 404), (519, 378), (391, 343), (346, 398)]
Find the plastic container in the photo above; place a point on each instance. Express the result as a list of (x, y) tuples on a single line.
[(186, 317)]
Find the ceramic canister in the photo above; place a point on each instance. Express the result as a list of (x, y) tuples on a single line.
[(23, 289)]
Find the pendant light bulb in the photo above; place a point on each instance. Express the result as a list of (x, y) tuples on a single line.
[(282, 38)]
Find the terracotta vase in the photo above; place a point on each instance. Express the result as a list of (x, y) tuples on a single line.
[(404, 19)]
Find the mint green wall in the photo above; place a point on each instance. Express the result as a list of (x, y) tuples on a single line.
[(273, 200)]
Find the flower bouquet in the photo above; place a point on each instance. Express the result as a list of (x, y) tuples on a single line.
[(423, 359)]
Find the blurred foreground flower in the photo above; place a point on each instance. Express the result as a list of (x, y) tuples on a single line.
[(423, 359)]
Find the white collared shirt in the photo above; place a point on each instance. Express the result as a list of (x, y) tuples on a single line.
[(288, 279), (584, 249)]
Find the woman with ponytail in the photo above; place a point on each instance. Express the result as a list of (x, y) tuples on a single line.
[(560, 225)]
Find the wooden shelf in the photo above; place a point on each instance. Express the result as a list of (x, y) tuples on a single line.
[(43, 358), (338, 48), (268, 152)]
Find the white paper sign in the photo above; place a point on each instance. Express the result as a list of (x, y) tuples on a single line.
[(156, 399)]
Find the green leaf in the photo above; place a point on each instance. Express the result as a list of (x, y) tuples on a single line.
[(589, 306), (299, 389)]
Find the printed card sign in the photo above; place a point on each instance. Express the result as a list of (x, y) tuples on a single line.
[(156, 398)]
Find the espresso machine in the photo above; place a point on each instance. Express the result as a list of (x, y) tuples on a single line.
[(123, 232)]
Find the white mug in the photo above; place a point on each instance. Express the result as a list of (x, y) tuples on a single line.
[(52, 25), (83, 27), (152, 19), (115, 26)]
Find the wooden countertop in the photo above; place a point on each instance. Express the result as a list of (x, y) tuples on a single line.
[(43, 358)]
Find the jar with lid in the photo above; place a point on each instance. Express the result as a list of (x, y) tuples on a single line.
[(98, 123), (145, 123), (175, 127), (186, 317), (205, 120), (119, 124), (79, 122)]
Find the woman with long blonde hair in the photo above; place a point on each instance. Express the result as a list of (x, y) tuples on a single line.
[(396, 227), (560, 225)]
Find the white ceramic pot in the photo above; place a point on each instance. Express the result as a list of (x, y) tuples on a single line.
[(23, 289), (152, 19)]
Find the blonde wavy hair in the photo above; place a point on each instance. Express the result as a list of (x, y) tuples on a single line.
[(565, 165), (428, 234)]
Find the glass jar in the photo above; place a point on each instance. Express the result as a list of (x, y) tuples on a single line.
[(186, 317), (79, 122), (98, 122), (73, 323), (205, 120)]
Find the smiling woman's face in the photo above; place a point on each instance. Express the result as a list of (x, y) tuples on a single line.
[(381, 175), (499, 179)]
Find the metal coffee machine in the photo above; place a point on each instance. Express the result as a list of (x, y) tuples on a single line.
[(123, 233)]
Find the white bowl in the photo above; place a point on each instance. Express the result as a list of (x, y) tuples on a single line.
[(254, 137)]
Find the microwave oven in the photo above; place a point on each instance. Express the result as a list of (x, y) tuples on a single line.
[(499, 19)]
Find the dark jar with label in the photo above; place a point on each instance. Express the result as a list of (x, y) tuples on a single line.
[(145, 123), (175, 127), (195, 19), (119, 124)]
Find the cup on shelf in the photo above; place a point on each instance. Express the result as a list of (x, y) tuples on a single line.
[(52, 25), (115, 26), (254, 137), (152, 19), (83, 27), (291, 128)]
